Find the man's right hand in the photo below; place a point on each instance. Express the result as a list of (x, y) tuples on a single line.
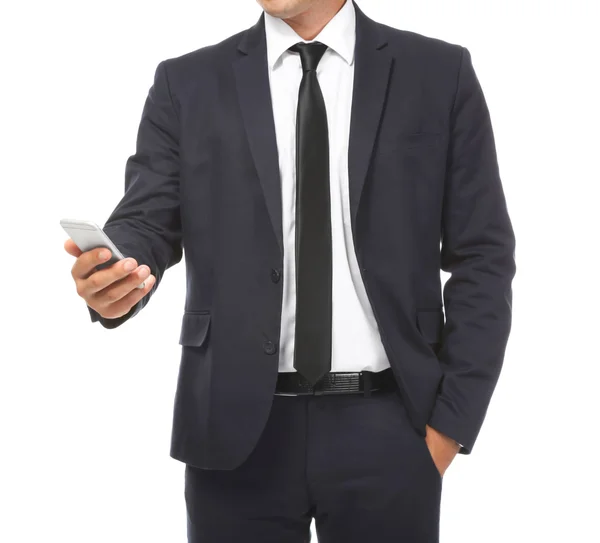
[(113, 291)]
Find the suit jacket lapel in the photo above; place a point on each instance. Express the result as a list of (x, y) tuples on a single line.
[(254, 94), (371, 77)]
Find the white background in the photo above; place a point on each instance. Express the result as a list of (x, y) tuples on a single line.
[(85, 412)]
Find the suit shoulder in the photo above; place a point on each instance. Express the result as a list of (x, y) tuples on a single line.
[(420, 44), (207, 55)]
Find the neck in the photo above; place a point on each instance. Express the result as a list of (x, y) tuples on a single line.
[(309, 23)]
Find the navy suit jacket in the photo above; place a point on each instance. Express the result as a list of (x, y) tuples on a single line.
[(425, 195)]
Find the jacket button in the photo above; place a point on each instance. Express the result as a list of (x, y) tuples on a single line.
[(269, 347), (275, 275)]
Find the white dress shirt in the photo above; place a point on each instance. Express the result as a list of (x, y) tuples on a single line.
[(356, 343)]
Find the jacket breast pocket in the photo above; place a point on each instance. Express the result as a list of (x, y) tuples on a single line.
[(419, 139), (401, 141), (430, 323), (194, 328)]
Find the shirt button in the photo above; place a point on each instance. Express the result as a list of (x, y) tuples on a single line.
[(275, 275), (269, 347)]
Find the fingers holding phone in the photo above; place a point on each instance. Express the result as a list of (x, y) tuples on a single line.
[(109, 283), (111, 291)]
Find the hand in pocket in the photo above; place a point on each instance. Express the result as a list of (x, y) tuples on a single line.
[(442, 449)]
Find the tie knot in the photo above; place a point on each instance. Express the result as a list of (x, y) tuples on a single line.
[(310, 54)]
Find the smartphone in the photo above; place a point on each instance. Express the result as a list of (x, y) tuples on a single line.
[(87, 235)]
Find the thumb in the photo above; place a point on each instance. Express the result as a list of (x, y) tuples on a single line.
[(71, 248)]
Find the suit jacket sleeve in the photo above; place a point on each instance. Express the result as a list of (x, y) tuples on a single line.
[(146, 223), (478, 251)]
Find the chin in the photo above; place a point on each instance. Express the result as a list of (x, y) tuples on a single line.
[(284, 9)]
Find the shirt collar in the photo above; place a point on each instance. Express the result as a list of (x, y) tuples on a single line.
[(339, 34)]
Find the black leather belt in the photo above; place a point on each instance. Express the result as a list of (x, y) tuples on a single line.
[(364, 382)]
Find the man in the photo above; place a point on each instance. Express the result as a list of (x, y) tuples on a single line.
[(310, 166)]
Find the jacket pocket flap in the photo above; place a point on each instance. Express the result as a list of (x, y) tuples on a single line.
[(194, 329), (430, 324)]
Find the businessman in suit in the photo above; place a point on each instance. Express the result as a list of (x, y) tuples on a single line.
[(319, 168)]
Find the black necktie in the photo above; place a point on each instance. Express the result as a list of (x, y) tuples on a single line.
[(312, 346)]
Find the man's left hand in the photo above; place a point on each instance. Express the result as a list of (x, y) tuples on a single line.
[(443, 449)]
